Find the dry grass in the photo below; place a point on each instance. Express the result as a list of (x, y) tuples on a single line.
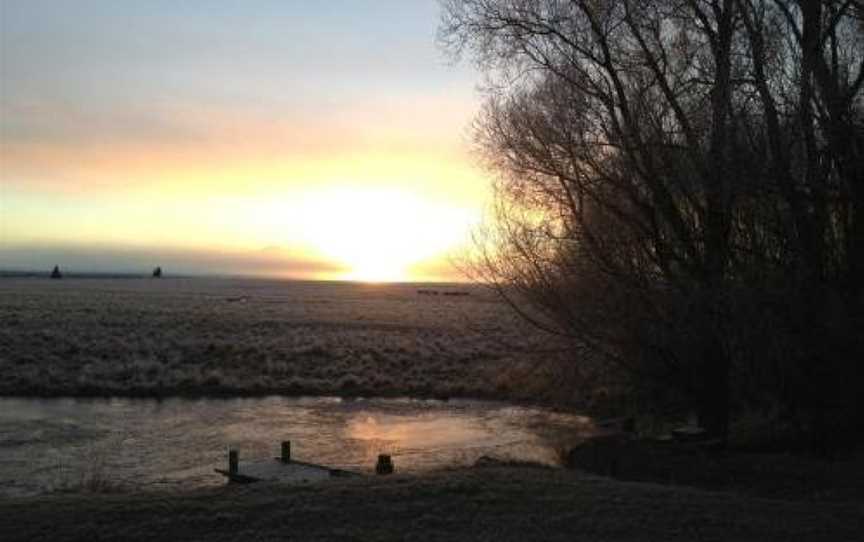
[(90, 477), (495, 503), (207, 336)]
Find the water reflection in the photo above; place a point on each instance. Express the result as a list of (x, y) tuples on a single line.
[(50, 443)]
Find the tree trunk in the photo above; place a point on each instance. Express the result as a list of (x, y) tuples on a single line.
[(713, 407), (714, 388)]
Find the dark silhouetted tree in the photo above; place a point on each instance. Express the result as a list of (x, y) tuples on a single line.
[(673, 175)]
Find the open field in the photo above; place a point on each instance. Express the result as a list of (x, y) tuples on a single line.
[(494, 503), (220, 336)]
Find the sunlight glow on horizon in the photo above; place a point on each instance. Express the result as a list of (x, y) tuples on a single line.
[(380, 234), (211, 134)]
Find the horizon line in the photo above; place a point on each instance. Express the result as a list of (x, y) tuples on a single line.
[(76, 274)]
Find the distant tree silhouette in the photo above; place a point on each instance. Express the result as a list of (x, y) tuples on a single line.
[(679, 183), (56, 274)]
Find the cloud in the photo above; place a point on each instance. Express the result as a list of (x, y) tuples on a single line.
[(54, 145), (58, 124)]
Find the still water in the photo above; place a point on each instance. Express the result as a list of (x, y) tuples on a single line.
[(55, 444)]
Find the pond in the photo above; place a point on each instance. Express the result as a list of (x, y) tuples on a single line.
[(56, 444)]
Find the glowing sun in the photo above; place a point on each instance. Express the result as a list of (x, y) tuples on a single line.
[(379, 233)]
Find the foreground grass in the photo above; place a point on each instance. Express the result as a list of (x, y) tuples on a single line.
[(493, 503)]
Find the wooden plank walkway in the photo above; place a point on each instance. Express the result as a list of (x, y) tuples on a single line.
[(280, 470), (294, 472)]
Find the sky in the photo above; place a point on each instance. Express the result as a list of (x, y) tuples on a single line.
[(281, 138)]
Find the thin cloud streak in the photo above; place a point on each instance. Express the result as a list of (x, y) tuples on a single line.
[(269, 262)]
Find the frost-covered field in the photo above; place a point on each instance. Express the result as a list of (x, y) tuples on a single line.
[(203, 336)]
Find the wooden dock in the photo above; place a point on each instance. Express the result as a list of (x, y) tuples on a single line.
[(282, 469), (274, 470)]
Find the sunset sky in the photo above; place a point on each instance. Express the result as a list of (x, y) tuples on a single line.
[(284, 138)]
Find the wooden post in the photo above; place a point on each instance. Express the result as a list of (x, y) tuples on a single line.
[(233, 461), (286, 451), (385, 464)]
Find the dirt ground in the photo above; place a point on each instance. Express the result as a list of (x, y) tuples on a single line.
[(492, 503)]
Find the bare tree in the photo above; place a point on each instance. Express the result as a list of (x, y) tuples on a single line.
[(670, 155)]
